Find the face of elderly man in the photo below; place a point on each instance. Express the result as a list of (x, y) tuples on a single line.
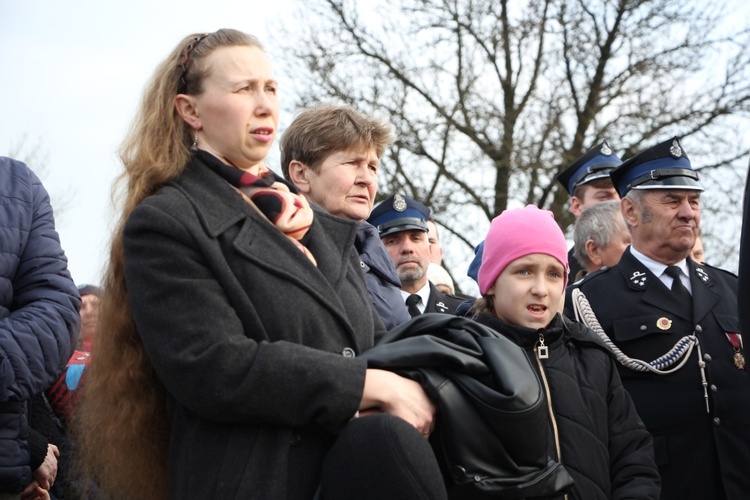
[(664, 222), (609, 254)]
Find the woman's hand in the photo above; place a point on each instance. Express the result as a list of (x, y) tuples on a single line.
[(47, 472), (35, 492), (390, 393)]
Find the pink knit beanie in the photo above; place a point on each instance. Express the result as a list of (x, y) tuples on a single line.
[(519, 232)]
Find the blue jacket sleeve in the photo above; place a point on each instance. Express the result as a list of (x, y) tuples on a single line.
[(39, 306)]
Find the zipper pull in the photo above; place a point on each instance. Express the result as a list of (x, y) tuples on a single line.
[(542, 350)]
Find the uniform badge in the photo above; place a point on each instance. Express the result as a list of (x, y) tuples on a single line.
[(739, 360), (605, 150), (701, 273), (638, 278), (738, 357), (663, 323), (442, 307), (675, 150), (399, 203)]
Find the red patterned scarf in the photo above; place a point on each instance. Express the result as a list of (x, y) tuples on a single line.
[(276, 199)]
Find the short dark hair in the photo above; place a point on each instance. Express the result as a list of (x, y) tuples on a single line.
[(320, 131)]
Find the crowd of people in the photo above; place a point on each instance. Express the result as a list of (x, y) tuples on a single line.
[(263, 335)]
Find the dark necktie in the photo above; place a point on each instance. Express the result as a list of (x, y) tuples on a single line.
[(411, 303), (682, 294)]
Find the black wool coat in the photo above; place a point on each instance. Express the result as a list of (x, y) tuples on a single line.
[(701, 454), (255, 345)]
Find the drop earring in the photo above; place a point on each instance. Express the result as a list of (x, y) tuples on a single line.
[(194, 147)]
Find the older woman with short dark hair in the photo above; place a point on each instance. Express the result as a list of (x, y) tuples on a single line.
[(332, 154)]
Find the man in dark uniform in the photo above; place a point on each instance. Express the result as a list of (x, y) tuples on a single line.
[(402, 225), (587, 180), (743, 293), (695, 400)]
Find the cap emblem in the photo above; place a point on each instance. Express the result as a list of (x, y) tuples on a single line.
[(606, 151), (399, 203), (675, 150)]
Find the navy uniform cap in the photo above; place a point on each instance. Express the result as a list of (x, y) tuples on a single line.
[(399, 213), (596, 163), (664, 166)]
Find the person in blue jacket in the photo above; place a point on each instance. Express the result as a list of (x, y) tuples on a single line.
[(39, 319)]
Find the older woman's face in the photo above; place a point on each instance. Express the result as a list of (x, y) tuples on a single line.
[(345, 184), (238, 111)]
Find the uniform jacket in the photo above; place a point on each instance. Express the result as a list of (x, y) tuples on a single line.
[(440, 302), (38, 312), (602, 442), (380, 277), (254, 344), (743, 292), (700, 454)]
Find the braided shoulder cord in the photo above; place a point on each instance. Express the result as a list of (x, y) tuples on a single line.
[(679, 353)]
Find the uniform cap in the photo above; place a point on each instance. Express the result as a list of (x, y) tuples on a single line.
[(399, 213), (664, 166), (596, 163)]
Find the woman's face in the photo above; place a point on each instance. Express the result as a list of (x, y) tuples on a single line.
[(238, 111), (345, 184), (529, 290)]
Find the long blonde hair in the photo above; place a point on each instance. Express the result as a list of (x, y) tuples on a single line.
[(122, 429)]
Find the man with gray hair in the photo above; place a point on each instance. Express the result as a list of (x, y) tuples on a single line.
[(600, 237), (673, 325)]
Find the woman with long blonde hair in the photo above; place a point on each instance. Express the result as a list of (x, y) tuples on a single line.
[(233, 313)]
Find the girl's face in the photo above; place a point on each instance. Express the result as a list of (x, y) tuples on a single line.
[(529, 290)]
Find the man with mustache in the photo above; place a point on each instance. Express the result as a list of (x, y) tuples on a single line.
[(402, 225), (676, 324)]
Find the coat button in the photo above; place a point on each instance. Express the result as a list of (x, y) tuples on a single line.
[(348, 352), (717, 421), (707, 358), (295, 439), (714, 389), (644, 328)]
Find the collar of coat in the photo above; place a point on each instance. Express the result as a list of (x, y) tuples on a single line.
[(219, 207), (640, 279)]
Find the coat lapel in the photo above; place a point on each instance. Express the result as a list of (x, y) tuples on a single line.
[(220, 208), (436, 301), (704, 298)]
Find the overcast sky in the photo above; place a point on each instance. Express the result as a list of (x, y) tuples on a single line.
[(71, 76)]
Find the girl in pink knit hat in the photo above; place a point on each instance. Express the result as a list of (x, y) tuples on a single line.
[(593, 427)]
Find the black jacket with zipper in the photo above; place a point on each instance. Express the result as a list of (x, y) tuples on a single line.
[(599, 437)]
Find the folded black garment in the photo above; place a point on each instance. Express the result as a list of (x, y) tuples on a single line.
[(491, 429)]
